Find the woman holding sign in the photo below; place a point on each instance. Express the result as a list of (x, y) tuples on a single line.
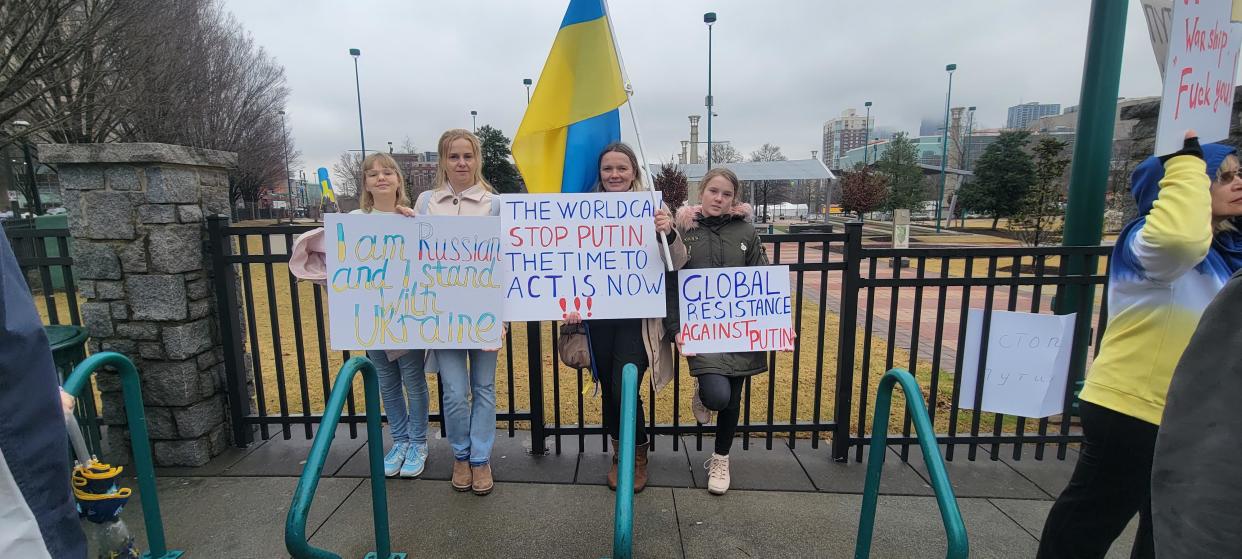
[(639, 341), (403, 384), (1166, 267), (719, 233), (468, 376)]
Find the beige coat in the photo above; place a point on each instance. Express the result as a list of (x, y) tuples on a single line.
[(476, 200), (659, 350)]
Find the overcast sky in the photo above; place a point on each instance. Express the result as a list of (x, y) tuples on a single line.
[(780, 68)]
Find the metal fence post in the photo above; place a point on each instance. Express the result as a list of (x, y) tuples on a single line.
[(534, 362), (846, 331), (227, 306)]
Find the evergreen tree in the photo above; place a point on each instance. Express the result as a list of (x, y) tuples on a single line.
[(496, 166), (1003, 176), (900, 165)]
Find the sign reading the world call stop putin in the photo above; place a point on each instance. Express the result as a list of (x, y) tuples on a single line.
[(742, 309), (596, 254), (1200, 73)]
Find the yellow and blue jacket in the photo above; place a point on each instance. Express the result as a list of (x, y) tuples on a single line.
[(1166, 267)]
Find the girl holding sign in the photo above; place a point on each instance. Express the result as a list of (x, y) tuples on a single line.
[(468, 376), (403, 384), (639, 341), (719, 233), (1166, 267)]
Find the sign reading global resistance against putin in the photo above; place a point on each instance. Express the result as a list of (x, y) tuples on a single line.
[(735, 309), (403, 283), (595, 254)]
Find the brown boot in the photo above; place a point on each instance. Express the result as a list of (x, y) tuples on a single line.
[(612, 470), (482, 484), (640, 466), (461, 475)]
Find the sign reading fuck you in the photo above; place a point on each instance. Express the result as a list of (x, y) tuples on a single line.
[(401, 283)]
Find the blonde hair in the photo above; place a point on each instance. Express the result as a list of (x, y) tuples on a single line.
[(728, 175), (367, 201), (446, 140), (637, 185)]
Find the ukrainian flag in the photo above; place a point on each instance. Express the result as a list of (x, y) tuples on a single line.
[(573, 113), (325, 185)]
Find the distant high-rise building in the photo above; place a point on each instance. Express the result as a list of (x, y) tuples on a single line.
[(1021, 116), (931, 125), (842, 134)]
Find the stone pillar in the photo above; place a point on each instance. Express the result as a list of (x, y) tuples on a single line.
[(136, 217)]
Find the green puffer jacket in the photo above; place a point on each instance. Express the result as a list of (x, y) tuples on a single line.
[(718, 242)]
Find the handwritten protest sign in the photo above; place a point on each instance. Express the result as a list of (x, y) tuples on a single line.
[(735, 309), (596, 254), (1200, 73), (1027, 362), (401, 283)]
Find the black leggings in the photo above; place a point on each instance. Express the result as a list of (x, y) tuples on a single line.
[(723, 395), (613, 344), (1111, 482)]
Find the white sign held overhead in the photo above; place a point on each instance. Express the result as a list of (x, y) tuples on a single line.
[(1027, 363), (1200, 72)]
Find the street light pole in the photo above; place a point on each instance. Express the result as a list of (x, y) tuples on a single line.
[(867, 140), (474, 120), (944, 144), (284, 139), (526, 82), (709, 18), (35, 200), (358, 88)]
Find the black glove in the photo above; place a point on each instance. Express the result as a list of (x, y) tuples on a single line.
[(1189, 147)]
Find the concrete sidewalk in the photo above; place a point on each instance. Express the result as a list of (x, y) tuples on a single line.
[(784, 503)]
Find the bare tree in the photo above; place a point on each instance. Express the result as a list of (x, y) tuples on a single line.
[(407, 146), (348, 173), (771, 191), (725, 153)]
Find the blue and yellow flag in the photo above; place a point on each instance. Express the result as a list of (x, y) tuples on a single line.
[(573, 113), (325, 185)]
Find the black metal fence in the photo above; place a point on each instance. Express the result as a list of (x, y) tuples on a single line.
[(856, 314), (46, 261)]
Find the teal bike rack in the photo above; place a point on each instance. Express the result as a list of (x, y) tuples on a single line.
[(623, 523), (136, 417), (295, 524), (955, 530)]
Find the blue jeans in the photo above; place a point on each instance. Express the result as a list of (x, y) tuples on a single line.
[(471, 426), (408, 422)]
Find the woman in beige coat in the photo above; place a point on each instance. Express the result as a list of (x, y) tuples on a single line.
[(629, 340)]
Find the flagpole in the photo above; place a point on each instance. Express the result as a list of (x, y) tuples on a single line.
[(642, 155)]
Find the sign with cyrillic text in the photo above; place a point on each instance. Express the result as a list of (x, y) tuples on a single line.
[(1200, 73), (596, 254), (402, 283), (742, 309), (1027, 362)]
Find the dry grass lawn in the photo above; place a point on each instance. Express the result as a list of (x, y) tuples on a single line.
[(302, 368)]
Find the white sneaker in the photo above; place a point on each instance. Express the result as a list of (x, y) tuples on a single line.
[(701, 413), (717, 474)]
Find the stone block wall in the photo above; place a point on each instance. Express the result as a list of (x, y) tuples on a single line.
[(136, 215)]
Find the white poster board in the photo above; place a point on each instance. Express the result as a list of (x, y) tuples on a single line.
[(1159, 16), (901, 228), (596, 254), (735, 309), (1027, 362), (1200, 73), (401, 283)]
